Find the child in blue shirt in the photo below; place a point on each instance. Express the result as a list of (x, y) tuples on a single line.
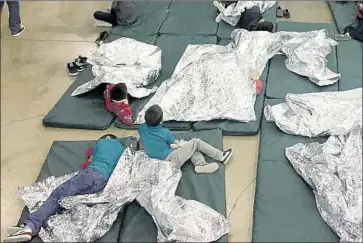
[(93, 179), (159, 143)]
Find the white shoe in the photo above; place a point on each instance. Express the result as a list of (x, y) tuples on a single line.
[(226, 156), (24, 234), (219, 18), (207, 168), (102, 23), (220, 6)]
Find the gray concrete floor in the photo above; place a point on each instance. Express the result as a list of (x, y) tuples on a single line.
[(33, 78)]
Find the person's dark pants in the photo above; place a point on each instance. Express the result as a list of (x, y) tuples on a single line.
[(14, 15), (87, 181), (106, 17)]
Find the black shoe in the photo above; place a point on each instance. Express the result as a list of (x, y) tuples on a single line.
[(81, 63), (21, 30), (72, 69), (286, 13), (226, 156), (103, 36)]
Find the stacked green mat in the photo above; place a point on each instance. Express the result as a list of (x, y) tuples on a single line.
[(285, 208), (281, 81), (134, 224), (343, 14)]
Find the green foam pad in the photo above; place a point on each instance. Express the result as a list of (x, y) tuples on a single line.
[(206, 188), (66, 157), (86, 111), (150, 17), (343, 14), (149, 39), (281, 81), (225, 30), (190, 18), (285, 208), (172, 49), (273, 141), (350, 64), (232, 128)]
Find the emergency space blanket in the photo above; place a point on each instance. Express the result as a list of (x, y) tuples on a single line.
[(334, 172), (318, 114), (216, 82), (232, 13), (124, 60), (151, 182)]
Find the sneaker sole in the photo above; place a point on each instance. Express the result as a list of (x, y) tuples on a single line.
[(18, 238), (209, 168), (17, 34), (228, 158), (100, 23), (13, 229)]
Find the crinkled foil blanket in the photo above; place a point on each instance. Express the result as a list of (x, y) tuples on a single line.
[(318, 114), (151, 182), (124, 60), (233, 12), (216, 82), (334, 172)]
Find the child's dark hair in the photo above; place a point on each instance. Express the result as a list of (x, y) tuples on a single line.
[(118, 92), (154, 115), (108, 136), (265, 26)]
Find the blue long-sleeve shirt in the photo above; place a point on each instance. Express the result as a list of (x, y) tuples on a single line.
[(156, 141), (106, 154)]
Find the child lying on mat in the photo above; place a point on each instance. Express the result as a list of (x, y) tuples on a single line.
[(159, 143), (91, 180), (122, 13), (117, 102)]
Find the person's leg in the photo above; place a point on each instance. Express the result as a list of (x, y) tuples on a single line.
[(85, 182), (106, 17), (14, 16)]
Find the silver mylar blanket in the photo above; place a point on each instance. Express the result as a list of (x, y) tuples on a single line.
[(318, 114), (124, 60), (216, 82), (151, 182), (334, 172), (233, 12)]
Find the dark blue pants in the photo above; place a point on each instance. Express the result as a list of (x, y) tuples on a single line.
[(14, 15), (87, 181)]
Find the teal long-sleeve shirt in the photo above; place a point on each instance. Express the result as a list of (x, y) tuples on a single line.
[(106, 154), (156, 141)]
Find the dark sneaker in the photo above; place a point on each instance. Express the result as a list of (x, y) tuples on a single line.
[(286, 13), (207, 168), (226, 156), (279, 12), (81, 63), (21, 30), (72, 69), (21, 235)]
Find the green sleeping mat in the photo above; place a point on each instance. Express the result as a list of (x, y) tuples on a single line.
[(281, 81), (349, 54), (150, 14), (209, 189), (87, 111), (134, 223), (232, 128), (343, 14), (225, 30), (190, 18), (66, 157), (285, 208), (172, 49)]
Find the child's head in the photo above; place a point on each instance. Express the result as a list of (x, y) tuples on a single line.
[(118, 92), (154, 115), (265, 26), (108, 136)]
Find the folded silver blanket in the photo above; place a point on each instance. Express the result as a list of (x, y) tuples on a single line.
[(217, 82), (124, 60), (233, 12), (151, 182), (334, 172), (318, 114)]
